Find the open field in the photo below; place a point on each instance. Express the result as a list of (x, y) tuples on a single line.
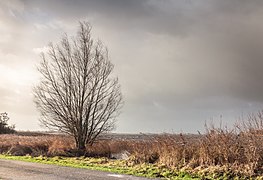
[(219, 153)]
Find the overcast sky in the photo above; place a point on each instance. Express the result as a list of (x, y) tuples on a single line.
[(180, 62)]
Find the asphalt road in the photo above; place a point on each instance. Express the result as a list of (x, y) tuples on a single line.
[(19, 170)]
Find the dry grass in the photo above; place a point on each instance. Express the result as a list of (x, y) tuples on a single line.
[(35, 145), (238, 150)]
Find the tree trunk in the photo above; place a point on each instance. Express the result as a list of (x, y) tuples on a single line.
[(81, 147)]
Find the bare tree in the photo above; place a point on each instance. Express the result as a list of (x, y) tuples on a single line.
[(77, 93)]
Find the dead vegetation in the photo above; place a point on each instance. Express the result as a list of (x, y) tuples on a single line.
[(237, 151)]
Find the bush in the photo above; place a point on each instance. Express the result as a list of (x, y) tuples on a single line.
[(4, 127)]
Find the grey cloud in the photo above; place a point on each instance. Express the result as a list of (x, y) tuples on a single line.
[(180, 61), (175, 17), (150, 15)]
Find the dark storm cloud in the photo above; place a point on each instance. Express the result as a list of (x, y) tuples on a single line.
[(224, 41), (149, 15), (178, 60), (164, 16)]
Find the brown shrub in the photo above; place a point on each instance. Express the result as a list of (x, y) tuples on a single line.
[(19, 150)]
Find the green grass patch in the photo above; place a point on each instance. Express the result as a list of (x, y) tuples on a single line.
[(104, 164), (125, 167)]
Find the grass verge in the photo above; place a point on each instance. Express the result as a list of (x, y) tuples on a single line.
[(104, 164)]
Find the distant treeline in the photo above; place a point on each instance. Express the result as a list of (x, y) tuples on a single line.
[(4, 127)]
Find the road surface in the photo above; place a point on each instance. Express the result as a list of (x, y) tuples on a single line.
[(19, 170)]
